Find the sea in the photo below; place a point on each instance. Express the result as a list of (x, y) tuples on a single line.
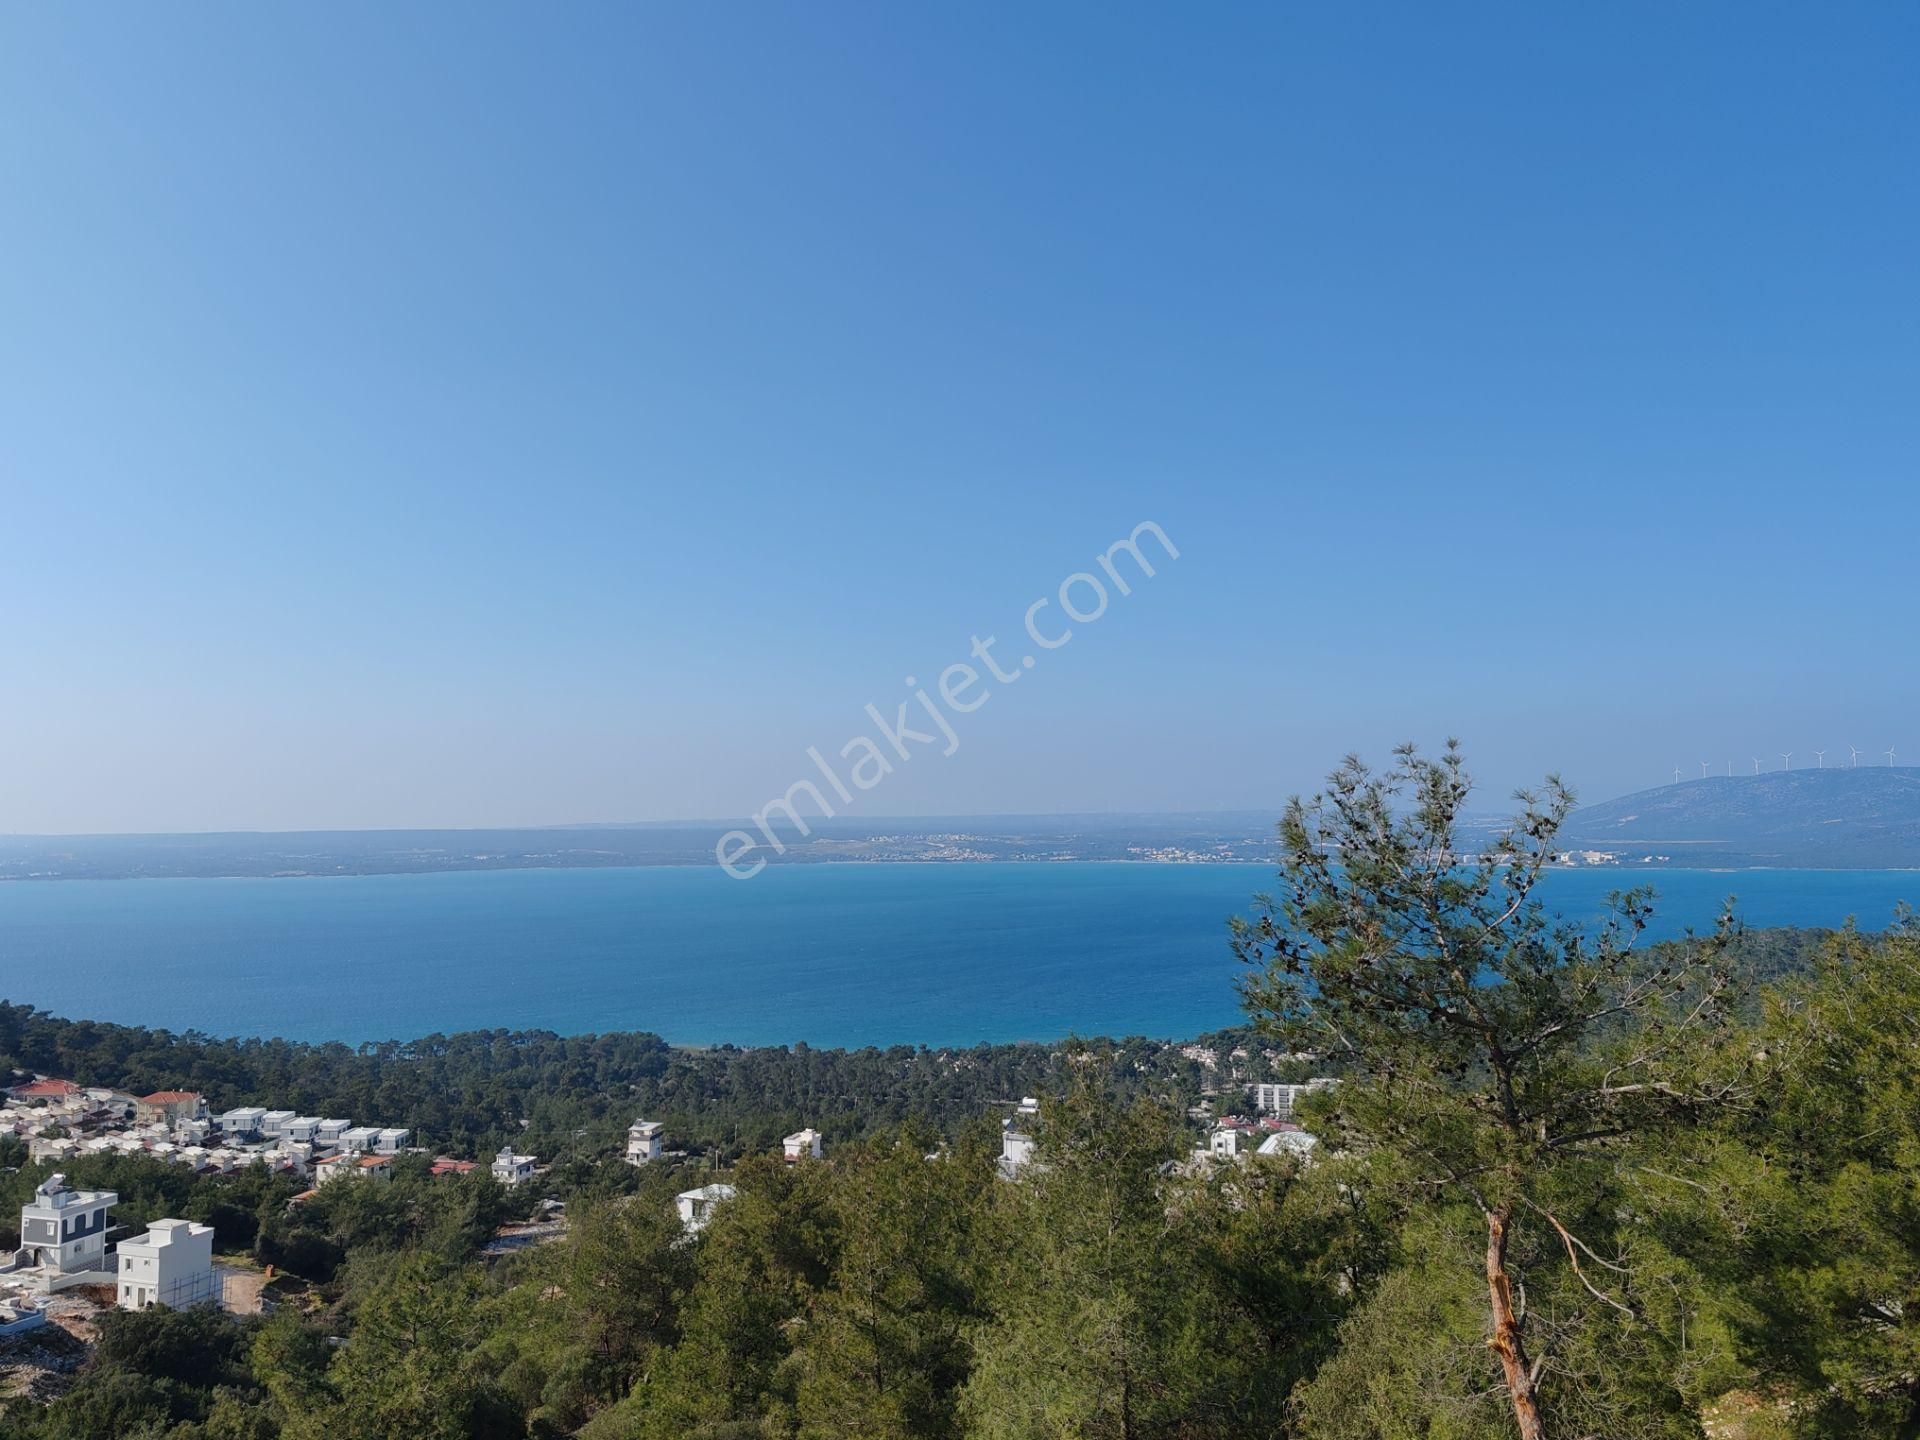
[(826, 954)]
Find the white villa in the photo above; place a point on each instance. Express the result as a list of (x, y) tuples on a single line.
[(171, 1265), (696, 1206), (1227, 1140), (511, 1169), (63, 1233), (643, 1141), (1016, 1148), (802, 1145), (242, 1122), (347, 1162), (331, 1132)]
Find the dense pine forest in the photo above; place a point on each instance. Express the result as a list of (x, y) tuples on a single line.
[(574, 1095), (1566, 1186)]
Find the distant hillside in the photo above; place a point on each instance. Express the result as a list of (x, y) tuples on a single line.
[(1842, 817)]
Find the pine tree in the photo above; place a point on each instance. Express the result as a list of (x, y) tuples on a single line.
[(1489, 1049)]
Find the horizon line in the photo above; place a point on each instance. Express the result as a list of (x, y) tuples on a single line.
[(703, 822), (698, 823)]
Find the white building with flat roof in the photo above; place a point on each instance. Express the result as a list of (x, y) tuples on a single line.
[(391, 1142), (696, 1207), (1016, 1148), (241, 1122), (802, 1145), (1280, 1100), (193, 1132), (64, 1232), (360, 1138), (511, 1169), (643, 1141), (171, 1265), (1228, 1141)]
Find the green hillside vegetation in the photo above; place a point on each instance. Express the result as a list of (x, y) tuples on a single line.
[(572, 1096), (1568, 1187)]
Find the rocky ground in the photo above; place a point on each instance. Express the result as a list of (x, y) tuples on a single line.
[(39, 1365)]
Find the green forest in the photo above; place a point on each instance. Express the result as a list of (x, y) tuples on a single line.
[(1568, 1185)]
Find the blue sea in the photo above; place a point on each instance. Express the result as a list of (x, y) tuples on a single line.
[(835, 955)]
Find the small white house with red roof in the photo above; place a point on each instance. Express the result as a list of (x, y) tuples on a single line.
[(367, 1167)]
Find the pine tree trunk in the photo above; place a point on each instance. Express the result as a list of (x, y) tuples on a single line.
[(1507, 1342)]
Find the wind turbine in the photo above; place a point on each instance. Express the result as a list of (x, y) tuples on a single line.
[(1676, 774), (1788, 757), (1819, 759), (1856, 753), (1729, 769), (1756, 764), (1889, 755), (1703, 769)]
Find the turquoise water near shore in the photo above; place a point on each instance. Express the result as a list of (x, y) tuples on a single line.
[(947, 954)]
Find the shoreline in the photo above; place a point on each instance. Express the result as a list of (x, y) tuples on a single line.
[(678, 1047), (1035, 861)]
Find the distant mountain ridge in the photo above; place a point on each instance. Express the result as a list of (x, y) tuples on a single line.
[(1841, 817)]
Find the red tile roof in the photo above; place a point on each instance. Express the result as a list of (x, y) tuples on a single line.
[(46, 1090), (364, 1162), (169, 1097)]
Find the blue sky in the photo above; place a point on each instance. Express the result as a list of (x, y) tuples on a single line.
[(484, 414)]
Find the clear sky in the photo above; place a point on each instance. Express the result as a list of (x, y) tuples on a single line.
[(495, 414)]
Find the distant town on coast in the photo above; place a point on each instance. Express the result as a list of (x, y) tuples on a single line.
[(1864, 817)]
